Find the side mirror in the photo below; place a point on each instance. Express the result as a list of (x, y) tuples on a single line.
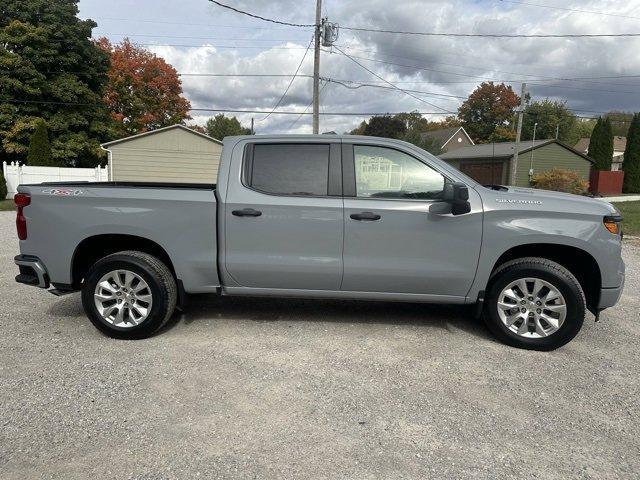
[(457, 194)]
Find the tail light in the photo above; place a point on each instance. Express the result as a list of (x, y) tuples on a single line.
[(21, 200), (612, 223)]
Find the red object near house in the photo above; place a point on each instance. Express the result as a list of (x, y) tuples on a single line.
[(606, 183)]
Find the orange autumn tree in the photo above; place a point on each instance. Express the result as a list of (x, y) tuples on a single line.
[(143, 91)]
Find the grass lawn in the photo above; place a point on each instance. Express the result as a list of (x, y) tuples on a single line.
[(6, 205), (631, 217)]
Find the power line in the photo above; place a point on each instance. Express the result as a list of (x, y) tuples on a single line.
[(354, 85), (199, 37), (228, 110), (482, 77), (291, 81), (253, 15), (388, 82), (306, 108), (491, 35), (190, 24), (218, 46), (619, 15), (539, 77)]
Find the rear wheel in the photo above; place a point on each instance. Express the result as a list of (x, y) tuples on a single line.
[(534, 303), (129, 295)]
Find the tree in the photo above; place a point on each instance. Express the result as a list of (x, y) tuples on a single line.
[(488, 107), (413, 121), (40, 148), (601, 145), (359, 130), (144, 92), (502, 134), (584, 127), (631, 162), (220, 126), (58, 75), (415, 137), (385, 126), (447, 122), (197, 128), (620, 122), (550, 116)]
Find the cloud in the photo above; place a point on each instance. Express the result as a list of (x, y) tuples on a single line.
[(444, 65)]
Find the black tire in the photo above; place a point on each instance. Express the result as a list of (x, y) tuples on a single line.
[(546, 270), (161, 284)]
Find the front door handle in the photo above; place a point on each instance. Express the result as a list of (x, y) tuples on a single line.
[(247, 212), (367, 216)]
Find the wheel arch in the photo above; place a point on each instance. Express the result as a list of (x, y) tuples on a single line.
[(578, 261), (93, 248)]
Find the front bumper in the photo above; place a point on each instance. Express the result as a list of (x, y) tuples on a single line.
[(610, 296), (32, 271)]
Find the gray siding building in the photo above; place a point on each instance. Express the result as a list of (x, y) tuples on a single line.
[(489, 163)]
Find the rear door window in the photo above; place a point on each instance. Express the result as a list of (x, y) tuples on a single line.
[(289, 169)]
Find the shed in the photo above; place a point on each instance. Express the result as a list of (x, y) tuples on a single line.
[(170, 154), (489, 163)]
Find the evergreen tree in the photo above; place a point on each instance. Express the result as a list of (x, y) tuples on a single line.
[(631, 163), (601, 145), (46, 55), (40, 148)]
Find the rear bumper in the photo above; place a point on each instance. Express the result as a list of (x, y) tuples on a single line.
[(32, 271)]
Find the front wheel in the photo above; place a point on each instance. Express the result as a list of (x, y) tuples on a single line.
[(129, 295), (534, 303)]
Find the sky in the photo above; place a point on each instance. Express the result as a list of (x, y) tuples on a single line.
[(198, 37)]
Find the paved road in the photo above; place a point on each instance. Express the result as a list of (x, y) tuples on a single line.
[(246, 388)]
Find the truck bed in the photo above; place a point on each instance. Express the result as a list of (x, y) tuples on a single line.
[(180, 218)]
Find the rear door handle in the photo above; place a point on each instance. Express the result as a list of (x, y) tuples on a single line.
[(367, 216), (246, 212)]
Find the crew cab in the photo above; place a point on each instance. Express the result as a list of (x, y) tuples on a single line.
[(346, 217)]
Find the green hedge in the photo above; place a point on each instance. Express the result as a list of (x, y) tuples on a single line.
[(3, 187)]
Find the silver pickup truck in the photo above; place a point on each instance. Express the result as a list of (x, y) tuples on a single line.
[(325, 217)]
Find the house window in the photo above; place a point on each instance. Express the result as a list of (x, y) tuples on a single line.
[(387, 173)]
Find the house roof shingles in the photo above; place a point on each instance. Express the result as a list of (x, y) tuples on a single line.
[(440, 137), (503, 150), (619, 144), (490, 150)]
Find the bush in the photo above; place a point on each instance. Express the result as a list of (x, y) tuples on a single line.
[(3, 187), (560, 180)]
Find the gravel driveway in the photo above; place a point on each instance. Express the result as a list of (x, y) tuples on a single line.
[(255, 388)]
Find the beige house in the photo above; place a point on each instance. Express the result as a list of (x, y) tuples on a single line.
[(170, 154)]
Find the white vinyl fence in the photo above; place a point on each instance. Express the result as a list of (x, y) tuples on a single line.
[(15, 174)]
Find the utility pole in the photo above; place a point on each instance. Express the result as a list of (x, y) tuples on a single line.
[(252, 130), (316, 68), (514, 160)]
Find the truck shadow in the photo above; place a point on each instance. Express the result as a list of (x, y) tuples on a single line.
[(262, 309), (212, 307)]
